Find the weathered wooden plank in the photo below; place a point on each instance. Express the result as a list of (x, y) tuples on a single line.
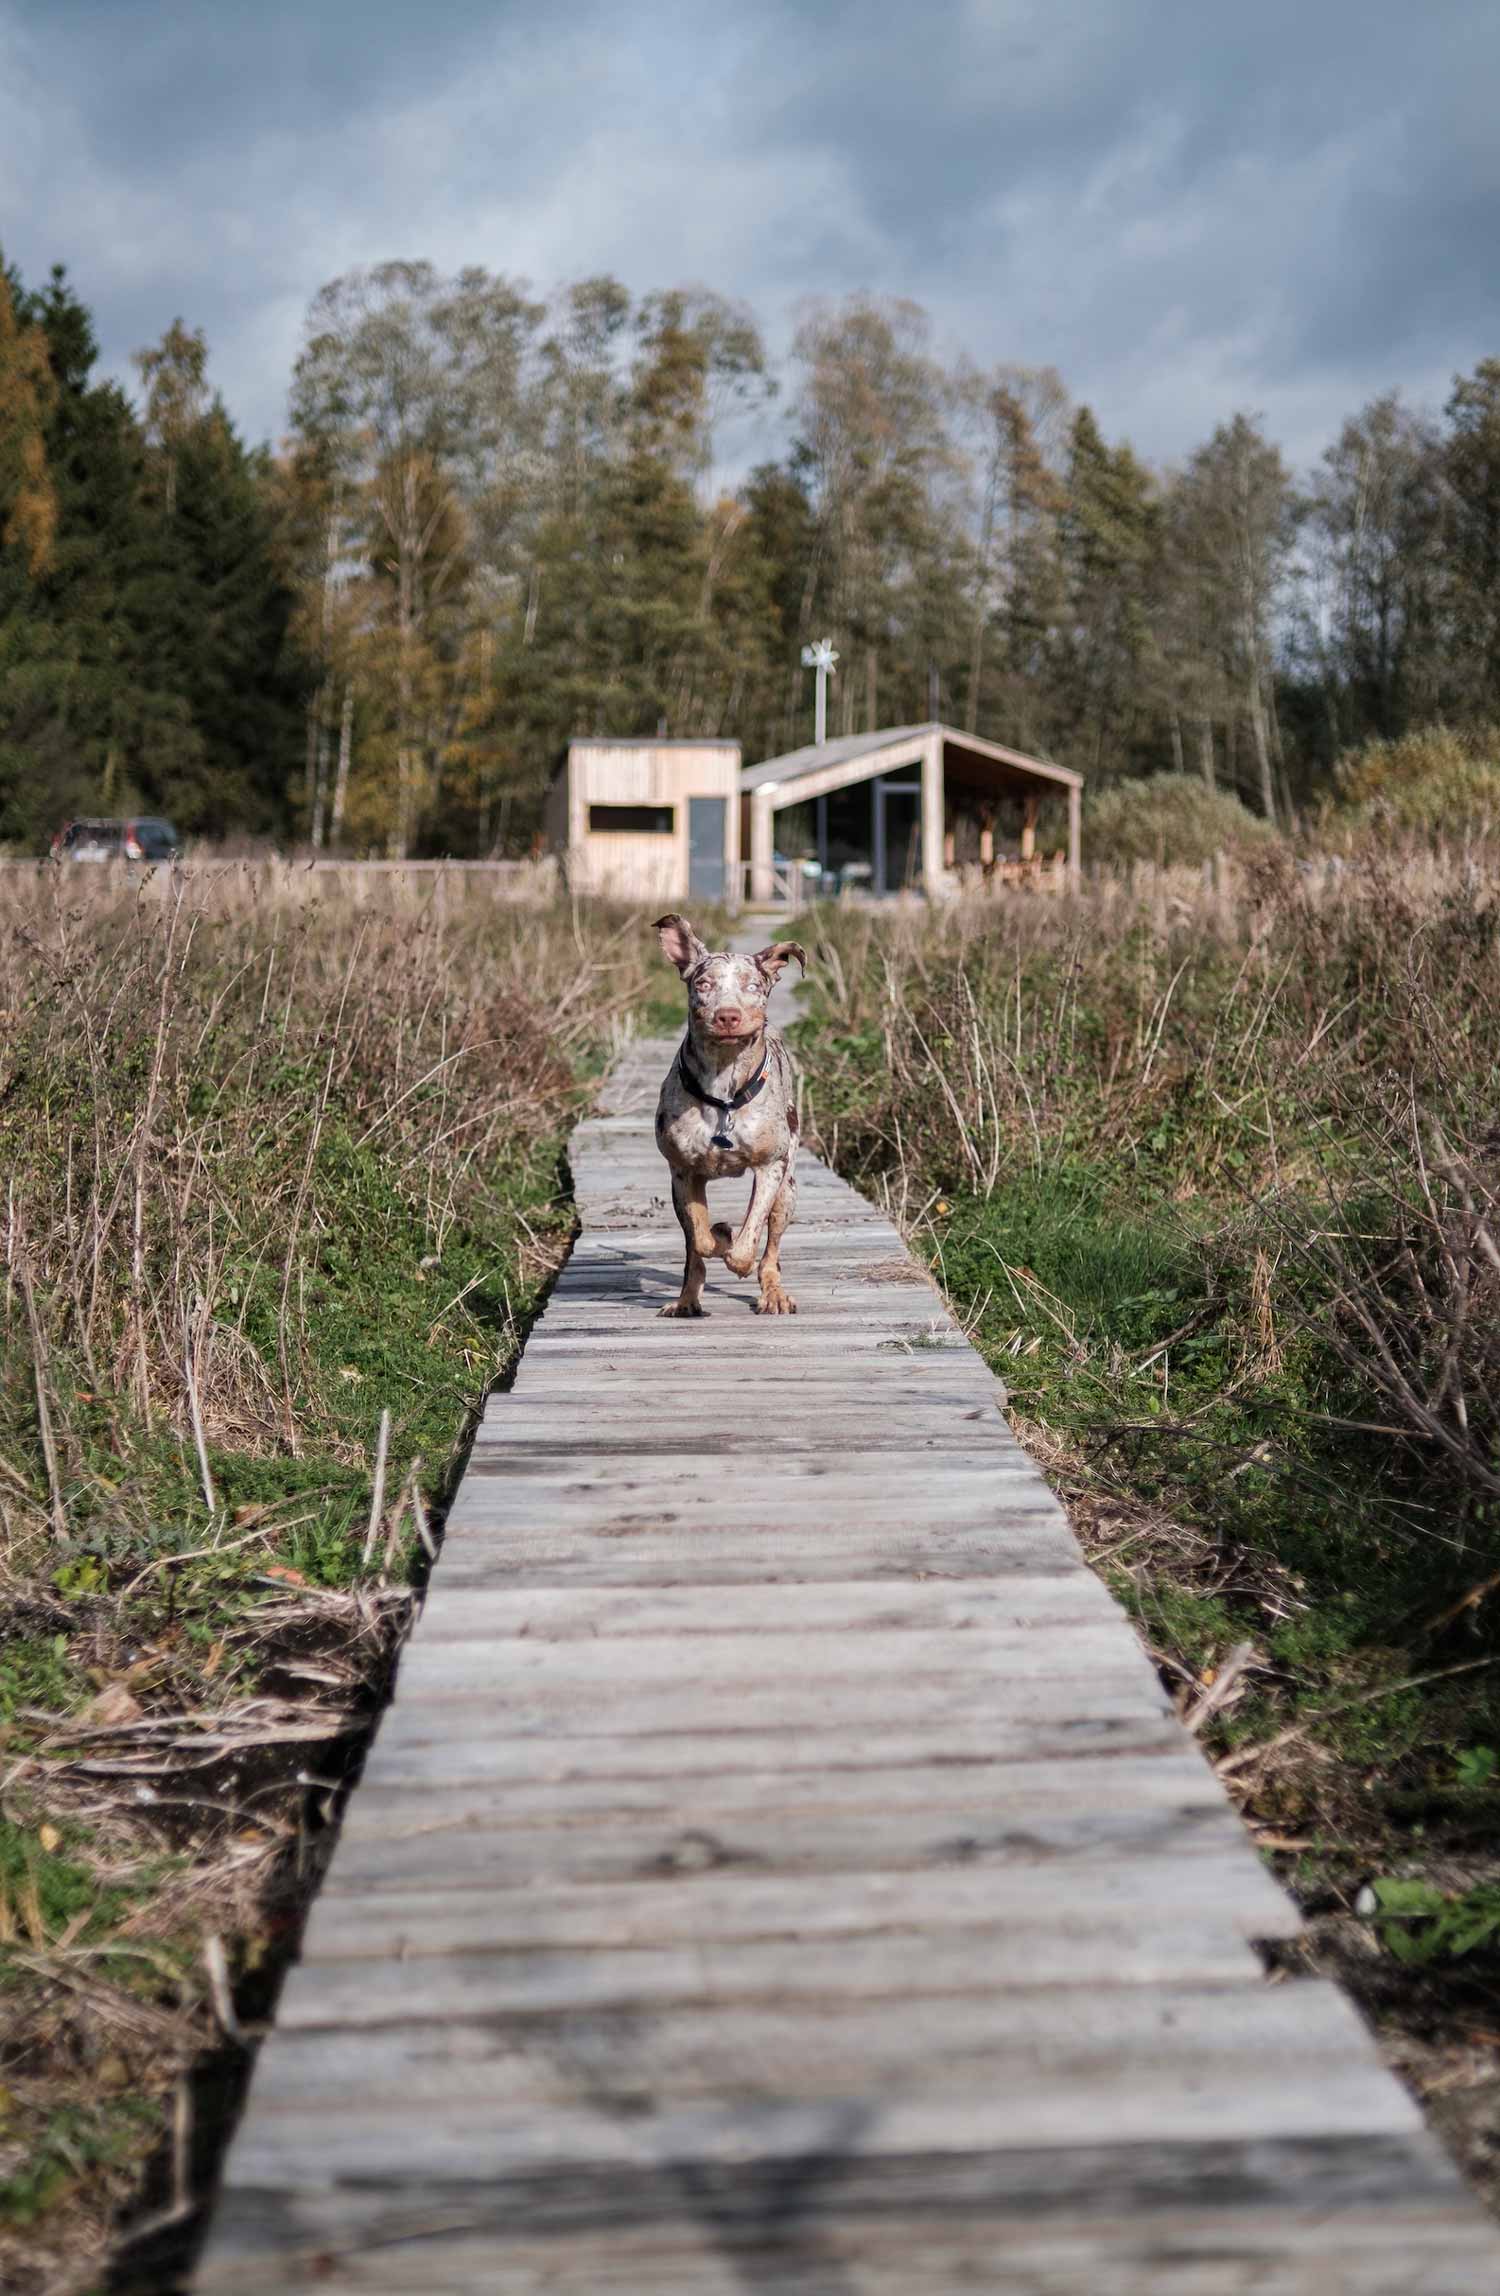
[(789, 1349), (887, 2257), (1337, 2216), (1028, 1605), (972, 2073), (847, 1483), (814, 1424), (398, 1849), (452, 1931), (1038, 1755), (1317, 2219), (780, 1521), (873, 1431), (982, 1913), (504, 1784), (571, 1708), (883, 1969), (720, 1902), (998, 1657), (783, 1524), (632, 1554)]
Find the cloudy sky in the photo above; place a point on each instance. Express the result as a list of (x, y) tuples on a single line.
[(1188, 206)]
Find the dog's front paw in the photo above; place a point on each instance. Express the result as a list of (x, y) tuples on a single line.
[(774, 1301), (739, 1263), (682, 1307)]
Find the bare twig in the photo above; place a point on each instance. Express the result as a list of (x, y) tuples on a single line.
[(216, 1963), (1222, 1688), (377, 1494), (419, 1516), (210, 1499), (39, 1361)]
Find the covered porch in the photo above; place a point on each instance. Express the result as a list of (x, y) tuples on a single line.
[(906, 809)]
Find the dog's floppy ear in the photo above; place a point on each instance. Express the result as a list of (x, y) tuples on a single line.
[(680, 945), (773, 960)]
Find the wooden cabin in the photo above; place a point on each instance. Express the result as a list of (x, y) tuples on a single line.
[(648, 821), (920, 808)]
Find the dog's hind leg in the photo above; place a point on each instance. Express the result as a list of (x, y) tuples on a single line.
[(775, 1299), (688, 1197)]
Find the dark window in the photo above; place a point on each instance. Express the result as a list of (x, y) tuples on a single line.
[(634, 820), (156, 839)]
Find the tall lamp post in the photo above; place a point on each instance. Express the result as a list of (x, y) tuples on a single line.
[(821, 658)]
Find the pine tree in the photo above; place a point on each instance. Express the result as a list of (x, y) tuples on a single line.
[(1107, 537), (85, 720), (144, 657)]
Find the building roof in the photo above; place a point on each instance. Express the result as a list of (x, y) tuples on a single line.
[(850, 748)]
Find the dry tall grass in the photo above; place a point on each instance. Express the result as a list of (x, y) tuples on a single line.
[(1314, 1053)]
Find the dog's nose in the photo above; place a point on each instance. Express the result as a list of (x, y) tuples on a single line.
[(728, 1018)]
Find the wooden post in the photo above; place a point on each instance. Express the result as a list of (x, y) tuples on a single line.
[(932, 816), (1028, 830), (762, 846), (1075, 835)]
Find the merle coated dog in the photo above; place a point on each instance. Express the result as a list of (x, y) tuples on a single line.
[(727, 1107)]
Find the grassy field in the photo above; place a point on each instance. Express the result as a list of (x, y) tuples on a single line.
[(1212, 1176), (1210, 1172), (281, 1170)]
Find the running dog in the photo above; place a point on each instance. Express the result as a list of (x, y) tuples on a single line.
[(727, 1107)]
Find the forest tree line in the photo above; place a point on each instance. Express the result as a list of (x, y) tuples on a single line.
[(497, 520)]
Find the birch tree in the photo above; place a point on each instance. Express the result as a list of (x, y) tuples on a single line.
[(1233, 525), (175, 376), (873, 446), (412, 389), (1374, 609)]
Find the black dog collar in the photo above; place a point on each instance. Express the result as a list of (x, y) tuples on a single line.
[(724, 1137)]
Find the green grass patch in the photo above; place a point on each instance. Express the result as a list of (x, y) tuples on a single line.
[(1113, 1325), (74, 2144)]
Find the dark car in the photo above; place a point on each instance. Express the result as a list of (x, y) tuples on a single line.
[(147, 839)]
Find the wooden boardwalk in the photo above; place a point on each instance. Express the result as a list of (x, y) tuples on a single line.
[(780, 1872)]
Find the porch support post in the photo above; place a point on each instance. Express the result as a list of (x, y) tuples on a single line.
[(932, 816), (762, 846), (1075, 836)]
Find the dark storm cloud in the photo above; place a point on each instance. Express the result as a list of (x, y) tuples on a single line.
[(143, 67), (1186, 209), (1325, 176)]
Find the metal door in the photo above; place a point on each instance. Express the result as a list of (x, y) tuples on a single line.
[(707, 821), (907, 844)]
